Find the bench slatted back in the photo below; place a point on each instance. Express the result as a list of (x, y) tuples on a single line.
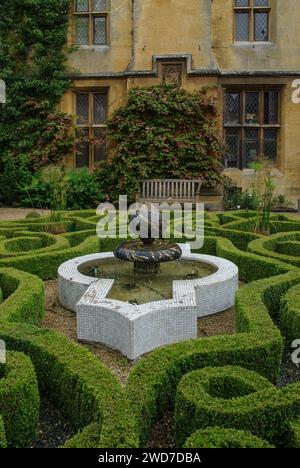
[(158, 189)]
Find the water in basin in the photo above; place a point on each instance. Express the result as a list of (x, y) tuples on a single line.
[(138, 288)]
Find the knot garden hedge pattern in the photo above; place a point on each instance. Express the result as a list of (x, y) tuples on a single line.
[(222, 389)]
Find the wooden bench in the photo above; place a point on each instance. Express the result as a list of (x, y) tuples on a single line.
[(169, 190)]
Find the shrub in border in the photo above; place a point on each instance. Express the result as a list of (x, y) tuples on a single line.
[(258, 346), (69, 375), (53, 243), (290, 313), (266, 247), (3, 442), (258, 349), (233, 397), (219, 437), (80, 386), (294, 438), (23, 296), (19, 399), (45, 265)]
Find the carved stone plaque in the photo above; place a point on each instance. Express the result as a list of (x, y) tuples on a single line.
[(172, 73)]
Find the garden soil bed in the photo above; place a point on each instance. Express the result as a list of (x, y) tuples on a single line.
[(53, 430)]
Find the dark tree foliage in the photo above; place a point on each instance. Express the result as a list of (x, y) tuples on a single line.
[(33, 36)]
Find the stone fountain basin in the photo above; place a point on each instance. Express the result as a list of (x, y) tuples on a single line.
[(137, 329)]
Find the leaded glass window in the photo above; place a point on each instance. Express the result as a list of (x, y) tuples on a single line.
[(251, 121), (252, 20), (91, 22), (90, 118)]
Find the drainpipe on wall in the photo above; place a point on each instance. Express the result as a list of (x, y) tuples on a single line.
[(130, 64)]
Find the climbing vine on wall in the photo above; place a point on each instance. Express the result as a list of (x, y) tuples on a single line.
[(33, 53), (162, 132)]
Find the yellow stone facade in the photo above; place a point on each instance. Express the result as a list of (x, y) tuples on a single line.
[(151, 40)]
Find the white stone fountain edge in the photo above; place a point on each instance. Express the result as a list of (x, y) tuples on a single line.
[(137, 329)]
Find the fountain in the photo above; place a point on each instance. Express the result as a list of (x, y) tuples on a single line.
[(155, 302), (147, 253)]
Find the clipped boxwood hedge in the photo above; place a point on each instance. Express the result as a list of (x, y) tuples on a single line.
[(85, 391), (31, 243), (19, 399), (23, 296), (294, 438), (252, 267), (258, 346), (218, 437), (290, 248), (290, 313), (3, 442), (69, 375), (78, 384), (14, 247), (45, 265), (234, 397), (268, 247)]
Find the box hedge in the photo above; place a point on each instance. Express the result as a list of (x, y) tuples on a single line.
[(258, 346), (45, 265), (290, 313), (23, 296), (219, 437), (233, 397), (79, 385), (30, 243), (85, 391), (294, 437), (3, 441), (69, 375), (19, 399), (268, 247)]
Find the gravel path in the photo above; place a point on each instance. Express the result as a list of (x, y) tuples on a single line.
[(12, 214)]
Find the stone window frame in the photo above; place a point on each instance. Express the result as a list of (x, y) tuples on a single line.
[(251, 9), (260, 126), (91, 14), (90, 126)]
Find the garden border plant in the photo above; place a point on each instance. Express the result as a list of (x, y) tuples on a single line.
[(219, 437), (233, 397), (19, 400), (290, 313), (68, 374), (3, 441)]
